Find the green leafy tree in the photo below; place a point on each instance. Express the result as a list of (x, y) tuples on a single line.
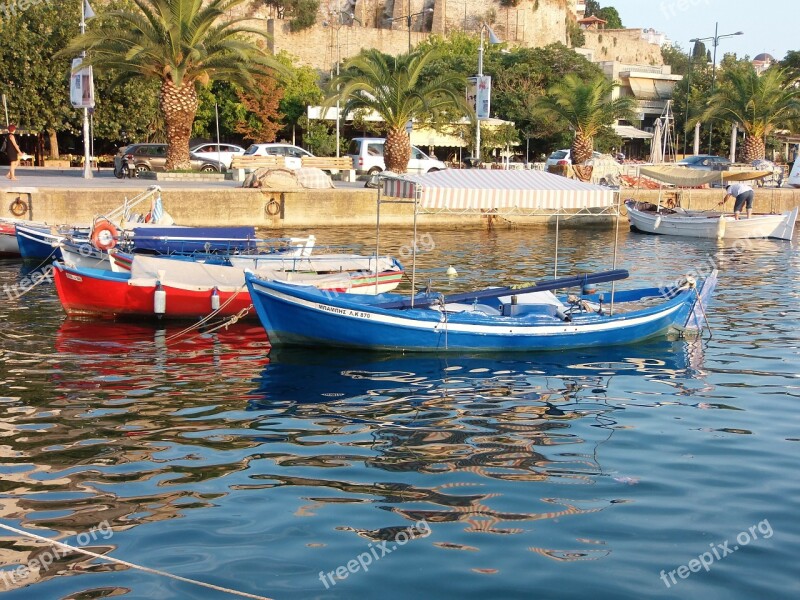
[(587, 107), (300, 85), (231, 111), (522, 78), (592, 8), (759, 103), (302, 14), (318, 138), (675, 57), (791, 64), (35, 82), (182, 44), (610, 14), (392, 87)]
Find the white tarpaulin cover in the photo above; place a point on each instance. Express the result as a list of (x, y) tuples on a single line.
[(686, 177), (487, 189)]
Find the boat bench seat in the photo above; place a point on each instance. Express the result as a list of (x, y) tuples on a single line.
[(479, 308)]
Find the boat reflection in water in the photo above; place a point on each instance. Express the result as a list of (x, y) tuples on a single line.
[(462, 421)]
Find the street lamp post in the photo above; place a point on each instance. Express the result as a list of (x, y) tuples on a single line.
[(715, 40), (408, 17), (87, 157), (339, 26), (493, 39)]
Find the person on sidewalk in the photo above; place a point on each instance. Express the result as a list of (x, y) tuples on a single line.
[(744, 195), (13, 152)]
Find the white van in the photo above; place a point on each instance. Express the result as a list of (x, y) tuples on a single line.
[(367, 155)]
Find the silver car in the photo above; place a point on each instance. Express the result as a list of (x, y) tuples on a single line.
[(153, 157)]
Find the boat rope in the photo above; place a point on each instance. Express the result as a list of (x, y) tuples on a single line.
[(46, 260), (207, 318), (224, 324), (703, 310), (35, 281), (131, 565)]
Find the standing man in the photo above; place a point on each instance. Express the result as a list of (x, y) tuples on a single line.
[(743, 194)]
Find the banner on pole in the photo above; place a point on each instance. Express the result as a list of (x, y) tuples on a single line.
[(479, 95), (81, 85)]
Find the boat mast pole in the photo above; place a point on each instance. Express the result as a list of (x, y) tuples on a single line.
[(378, 236), (616, 246), (414, 247), (555, 266)]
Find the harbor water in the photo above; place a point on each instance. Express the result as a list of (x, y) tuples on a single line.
[(666, 469)]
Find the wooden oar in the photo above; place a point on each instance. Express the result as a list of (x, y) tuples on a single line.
[(552, 284)]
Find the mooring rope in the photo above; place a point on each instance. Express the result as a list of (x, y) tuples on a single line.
[(207, 318), (129, 564)]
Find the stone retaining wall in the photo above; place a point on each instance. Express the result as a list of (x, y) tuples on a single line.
[(321, 208)]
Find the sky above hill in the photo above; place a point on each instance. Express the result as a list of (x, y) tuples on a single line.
[(769, 26)]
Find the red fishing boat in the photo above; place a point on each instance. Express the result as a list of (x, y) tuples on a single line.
[(164, 288)]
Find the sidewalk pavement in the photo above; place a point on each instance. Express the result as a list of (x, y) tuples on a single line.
[(72, 179)]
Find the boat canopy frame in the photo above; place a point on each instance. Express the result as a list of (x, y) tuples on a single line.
[(409, 190)]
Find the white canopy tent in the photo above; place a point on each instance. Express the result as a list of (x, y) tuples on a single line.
[(522, 192), (497, 192)]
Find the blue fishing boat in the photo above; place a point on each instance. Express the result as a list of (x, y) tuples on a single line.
[(494, 319)]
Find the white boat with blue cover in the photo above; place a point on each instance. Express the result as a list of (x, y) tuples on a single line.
[(496, 319)]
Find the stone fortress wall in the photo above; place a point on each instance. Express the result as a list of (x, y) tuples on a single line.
[(532, 23)]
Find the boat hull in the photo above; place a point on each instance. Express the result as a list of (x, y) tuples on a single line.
[(713, 227), (38, 244), (9, 247), (295, 315), (104, 294), (90, 292)]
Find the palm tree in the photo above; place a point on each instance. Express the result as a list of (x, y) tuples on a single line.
[(181, 43), (587, 107), (759, 103), (391, 88)]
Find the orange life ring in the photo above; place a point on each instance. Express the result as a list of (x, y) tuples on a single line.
[(104, 236), (18, 207)]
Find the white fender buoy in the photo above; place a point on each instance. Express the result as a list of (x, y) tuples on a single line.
[(214, 299), (721, 227), (451, 271), (159, 300)]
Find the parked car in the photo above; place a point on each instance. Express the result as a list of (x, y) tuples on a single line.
[(153, 157), (367, 155), (564, 157), (294, 154), (705, 162), (221, 152)]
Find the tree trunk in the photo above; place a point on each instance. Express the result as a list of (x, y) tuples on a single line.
[(397, 150), (179, 106), (752, 149), (582, 147), (53, 143)]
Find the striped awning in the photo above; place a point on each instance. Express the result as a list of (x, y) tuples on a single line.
[(487, 189)]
